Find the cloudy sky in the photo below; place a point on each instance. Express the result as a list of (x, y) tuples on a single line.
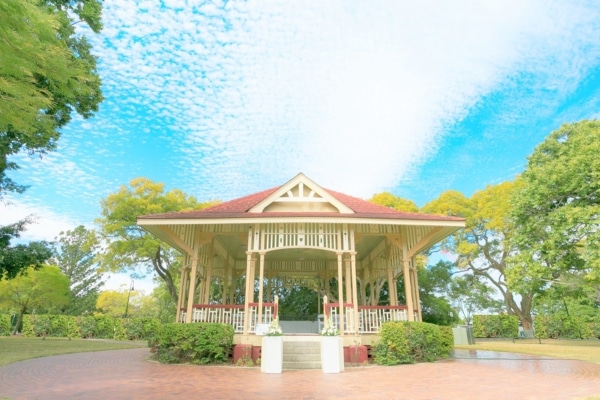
[(223, 99)]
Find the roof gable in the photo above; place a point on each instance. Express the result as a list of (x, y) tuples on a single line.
[(301, 194)]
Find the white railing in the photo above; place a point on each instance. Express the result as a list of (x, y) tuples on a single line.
[(231, 314), (370, 318)]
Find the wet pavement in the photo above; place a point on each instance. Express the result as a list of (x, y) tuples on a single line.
[(128, 374)]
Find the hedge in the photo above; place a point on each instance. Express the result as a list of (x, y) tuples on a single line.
[(87, 327), (495, 326), (410, 342), (561, 325), (4, 325), (196, 343)]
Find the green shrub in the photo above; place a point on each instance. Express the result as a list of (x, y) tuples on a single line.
[(198, 343), (562, 325), (409, 342), (492, 326), (105, 327), (5, 325), (87, 327)]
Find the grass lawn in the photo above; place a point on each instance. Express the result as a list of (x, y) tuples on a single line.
[(17, 348), (584, 350)]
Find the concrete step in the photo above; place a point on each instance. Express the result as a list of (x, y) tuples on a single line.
[(302, 365), (301, 355)]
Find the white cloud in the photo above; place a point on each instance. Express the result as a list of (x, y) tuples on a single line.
[(46, 224), (224, 99)]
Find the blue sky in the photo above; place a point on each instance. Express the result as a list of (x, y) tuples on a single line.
[(226, 99)]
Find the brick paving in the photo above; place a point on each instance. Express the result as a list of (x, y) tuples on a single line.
[(127, 374)]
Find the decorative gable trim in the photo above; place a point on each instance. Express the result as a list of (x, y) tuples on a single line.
[(301, 194)]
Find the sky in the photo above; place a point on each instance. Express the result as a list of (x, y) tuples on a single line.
[(225, 99)]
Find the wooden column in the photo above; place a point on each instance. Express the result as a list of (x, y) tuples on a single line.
[(181, 297), (416, 290), (207, 282), (340, 293), (192, 289), (261, 275), (354, 290), (249, 278), (348, 280), (392, 286), (407, 282)]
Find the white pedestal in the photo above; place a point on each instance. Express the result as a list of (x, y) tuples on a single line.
[(332, 354), (271, 358)]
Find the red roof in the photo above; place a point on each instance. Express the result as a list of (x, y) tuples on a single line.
[(238, 208)]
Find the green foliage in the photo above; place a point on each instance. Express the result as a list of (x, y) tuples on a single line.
[(45, 287), (4, 325), (567, 317), (130, 247), (387, 199), (199, 343), (97, 327), (411, 342), (47, 72), (75, 253), (16, 258), (557, 210), (433, 286), (492, 326), (484, 245)]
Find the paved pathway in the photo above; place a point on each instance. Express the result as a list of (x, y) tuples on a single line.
[(127, 374)]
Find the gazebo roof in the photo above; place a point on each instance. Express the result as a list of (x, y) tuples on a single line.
[(300, 201), (297, 193)]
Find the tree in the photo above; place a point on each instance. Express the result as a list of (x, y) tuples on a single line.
[(387, 199), (45, 287), (484, 245), (128, 246), (434, 281), (114, 302), (557, 209), (468, 294), (47, 72), (75, 255), (15, 258)]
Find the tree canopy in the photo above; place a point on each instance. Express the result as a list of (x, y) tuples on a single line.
[(75, 254), (46, 287), (557, 210), (484, 245), (390, 200), (15, 258), (128, 246), (47, 72)]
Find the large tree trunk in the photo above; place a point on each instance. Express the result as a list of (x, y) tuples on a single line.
[(19, 320), (163, 272)]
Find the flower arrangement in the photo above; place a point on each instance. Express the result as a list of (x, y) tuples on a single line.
[(328, 328), (274, 328)]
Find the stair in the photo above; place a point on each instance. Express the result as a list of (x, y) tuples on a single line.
[(301, 354)]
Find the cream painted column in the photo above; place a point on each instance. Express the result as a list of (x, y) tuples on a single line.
[(261, 274), (416, 288), (192, 289), (407, 283), (354, 290), (181, 297), (225, 282), (392, 286), (348, 281), (207, 282), (340, 293), (249, 278)]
